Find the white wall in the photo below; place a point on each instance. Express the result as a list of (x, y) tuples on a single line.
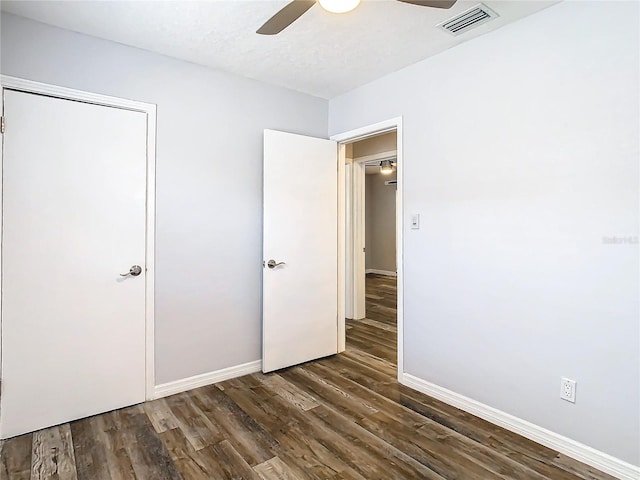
[(521, 154), (380, 222), (209, 181)]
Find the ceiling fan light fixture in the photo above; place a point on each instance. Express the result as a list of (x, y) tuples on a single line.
[(386, 167), (339, 6)]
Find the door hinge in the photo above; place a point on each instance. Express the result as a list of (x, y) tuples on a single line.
[(2, 124)]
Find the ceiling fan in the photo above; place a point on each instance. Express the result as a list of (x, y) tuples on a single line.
[(294, 10)]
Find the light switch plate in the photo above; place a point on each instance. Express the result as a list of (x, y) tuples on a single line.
[(415, 221)]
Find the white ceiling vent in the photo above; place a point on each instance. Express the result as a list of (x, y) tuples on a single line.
[(468, 19)]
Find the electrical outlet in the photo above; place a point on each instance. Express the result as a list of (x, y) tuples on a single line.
[(568, 390)]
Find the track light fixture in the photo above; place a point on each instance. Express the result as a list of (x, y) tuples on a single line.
[(386, 167)]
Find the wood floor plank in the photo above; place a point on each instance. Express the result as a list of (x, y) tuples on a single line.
[(254, 443), (197, 428), (366, 360), (379, 351), (379, 325), (397, 464), (15, 458), (109, 434), (308, 458), (304, 454), (286, 390), (148, 455), (192, 465), (275, 469), (232, 462), (160, 415), (90, 454), (307, 455), (52, 455), (367, 338), (329, 393)]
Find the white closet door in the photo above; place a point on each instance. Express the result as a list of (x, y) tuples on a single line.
[(73, 328)]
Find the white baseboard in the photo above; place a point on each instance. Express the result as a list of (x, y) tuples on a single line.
[(204, 379), (583, 453), (386, 273)]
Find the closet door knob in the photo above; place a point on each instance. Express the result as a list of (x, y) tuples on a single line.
[(133, 271), (272, 264)]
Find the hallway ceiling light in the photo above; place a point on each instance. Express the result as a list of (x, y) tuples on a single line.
[(339, 6), (386, 167)]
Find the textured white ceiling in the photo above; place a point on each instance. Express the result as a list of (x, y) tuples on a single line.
[(321, 54)]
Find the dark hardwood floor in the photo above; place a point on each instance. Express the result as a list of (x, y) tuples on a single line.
[(342, 417)]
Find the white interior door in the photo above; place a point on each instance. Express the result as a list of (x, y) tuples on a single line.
[(73, 329), (300, 300)]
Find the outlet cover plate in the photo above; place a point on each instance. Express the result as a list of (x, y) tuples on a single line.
[(568, 389)]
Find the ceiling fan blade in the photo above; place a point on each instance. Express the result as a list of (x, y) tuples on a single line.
[(285, 17), (431, 3)]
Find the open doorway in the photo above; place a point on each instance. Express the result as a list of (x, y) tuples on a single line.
[(373, 242)]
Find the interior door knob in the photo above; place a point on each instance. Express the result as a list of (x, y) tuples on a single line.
[(133, 271), (272, 264)]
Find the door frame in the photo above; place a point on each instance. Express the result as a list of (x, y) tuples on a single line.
[(349, 228), (355, 288), (149, 109)]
